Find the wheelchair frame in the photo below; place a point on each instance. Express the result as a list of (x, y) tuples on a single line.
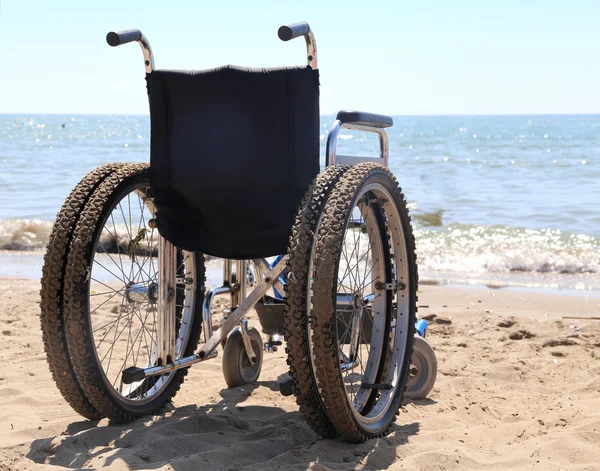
[(241, 301), (349, 310)]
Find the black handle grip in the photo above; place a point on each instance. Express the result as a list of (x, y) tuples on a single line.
[(288, 32), (123, 37)]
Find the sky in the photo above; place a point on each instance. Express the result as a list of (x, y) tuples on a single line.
[(418, 57)]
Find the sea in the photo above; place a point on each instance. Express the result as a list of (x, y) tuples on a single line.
[(496, 201)]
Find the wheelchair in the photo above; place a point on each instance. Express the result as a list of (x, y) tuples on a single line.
[(326, 258)]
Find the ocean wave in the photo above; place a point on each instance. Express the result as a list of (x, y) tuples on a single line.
[(24, 234), (479, 249), (432, 219), (456, 248), (31, 235)]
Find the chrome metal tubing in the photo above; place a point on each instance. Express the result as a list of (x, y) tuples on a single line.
[(228, 281), (207, 309), (240, 273), (311, 50), (345, 362), (349, 365), (226, 271), (139, 293), (331, 150), (264, 268), (178, 364), (147, 51), (166, 331), (348, 299), (369, 298), (208, 349), (355, 334), (245, 305)]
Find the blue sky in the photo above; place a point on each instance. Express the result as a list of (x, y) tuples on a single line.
[(397, 56)]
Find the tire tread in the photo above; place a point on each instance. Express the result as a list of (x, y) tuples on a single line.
[(330, 240), (77, 322), (295, 314), (51, 292)]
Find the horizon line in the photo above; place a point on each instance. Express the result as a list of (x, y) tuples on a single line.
[(432, 115)]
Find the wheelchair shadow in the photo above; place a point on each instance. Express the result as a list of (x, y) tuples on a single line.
[(223, 435), (421, 402)]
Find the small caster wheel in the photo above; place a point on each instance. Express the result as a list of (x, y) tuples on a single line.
[(237, 368), (423, 369)]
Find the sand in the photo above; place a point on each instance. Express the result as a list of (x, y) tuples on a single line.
[(518, 387)]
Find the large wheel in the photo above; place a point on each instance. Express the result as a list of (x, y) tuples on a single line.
[(364, 302), (111, 293), (298, 329), (423, 371), (51, 293)]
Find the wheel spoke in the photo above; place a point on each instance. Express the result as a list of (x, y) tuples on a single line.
[(105, 301), (116, 240), (108, 292), (106, 325), (115, 340), (120, 267), (127, 351), (106, 269), (360, 266), (128, 338), (144, 328)]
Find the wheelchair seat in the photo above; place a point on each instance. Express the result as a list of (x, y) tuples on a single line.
[(233, 151)]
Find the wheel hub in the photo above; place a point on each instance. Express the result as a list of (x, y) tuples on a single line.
[(140, 293)]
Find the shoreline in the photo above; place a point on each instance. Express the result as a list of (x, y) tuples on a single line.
[(541, 290), (28, 265)]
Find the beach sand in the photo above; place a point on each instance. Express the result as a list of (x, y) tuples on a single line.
[(518, 387)]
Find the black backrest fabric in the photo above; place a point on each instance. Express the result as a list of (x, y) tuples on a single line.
[(232, 152)]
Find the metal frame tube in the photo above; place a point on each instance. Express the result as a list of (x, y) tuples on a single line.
[(138, 293), (207, 351), (207, 309), (226, 271), (148, 56), (246, 304), (240, 274), (355, 334), (292, 31), (166, 329), (331, 149), (311, 50), (264, 268)]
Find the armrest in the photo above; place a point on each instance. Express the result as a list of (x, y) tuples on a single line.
[(365, 119), (359, 121)]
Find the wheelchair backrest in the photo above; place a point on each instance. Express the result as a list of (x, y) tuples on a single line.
[(232, 152)]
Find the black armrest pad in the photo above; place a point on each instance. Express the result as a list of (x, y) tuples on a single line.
[(365, 119)]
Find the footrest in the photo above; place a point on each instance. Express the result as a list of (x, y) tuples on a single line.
[(133, 374), (286, 386)]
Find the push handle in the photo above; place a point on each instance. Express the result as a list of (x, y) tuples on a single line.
[(293, 31), (123, 37)]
